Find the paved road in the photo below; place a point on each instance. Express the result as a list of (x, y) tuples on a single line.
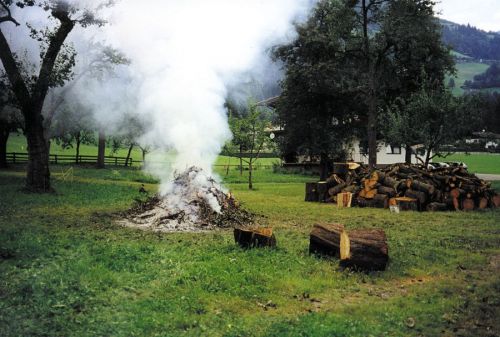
[(489, 177)]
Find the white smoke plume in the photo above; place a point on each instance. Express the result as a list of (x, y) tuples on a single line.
[(184, 55)]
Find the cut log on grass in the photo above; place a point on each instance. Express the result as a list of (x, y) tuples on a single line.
[(344, 199), (378, 201), (364, 249), (254, 237), (325, 239), (405, 203), (437, 207), (312, 192), (322, 191)]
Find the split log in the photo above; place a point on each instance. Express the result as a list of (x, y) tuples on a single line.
[(337, 189), (420, 186), (370, 194), (256, 237), (420, 196), (389, 191), (344, 199), (364, 249), (391, 182), (437, 207), (325, 239), (312, 192), (378, 201), (405, 203)]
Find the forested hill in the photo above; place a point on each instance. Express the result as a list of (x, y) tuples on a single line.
[(472, 41)]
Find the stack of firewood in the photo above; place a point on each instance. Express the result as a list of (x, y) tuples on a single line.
[(409, 187)]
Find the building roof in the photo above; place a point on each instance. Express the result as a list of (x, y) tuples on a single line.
[(269, 102)]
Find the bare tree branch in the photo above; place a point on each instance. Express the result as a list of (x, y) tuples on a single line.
[(8, 17)]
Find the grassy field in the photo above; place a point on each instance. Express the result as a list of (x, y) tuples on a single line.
[(466, 72), (477, 163), (67, 270), (17, 143)]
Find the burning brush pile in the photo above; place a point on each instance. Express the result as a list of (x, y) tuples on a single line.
[(193, 202)]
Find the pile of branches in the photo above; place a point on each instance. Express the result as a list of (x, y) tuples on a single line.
[(411, 185), (193, 202)]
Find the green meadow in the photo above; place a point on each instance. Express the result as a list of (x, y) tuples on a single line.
[(68, 270)]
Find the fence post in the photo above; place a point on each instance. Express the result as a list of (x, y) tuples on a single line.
[(116, 161), (55, 156), (131, 162), (14, 157)]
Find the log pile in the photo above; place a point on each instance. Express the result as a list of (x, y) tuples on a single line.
[(410, 187)]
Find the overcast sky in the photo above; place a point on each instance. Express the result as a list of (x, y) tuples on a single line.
[(484, 14)]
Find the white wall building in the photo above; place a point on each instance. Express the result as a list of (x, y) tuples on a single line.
[(386, 155)]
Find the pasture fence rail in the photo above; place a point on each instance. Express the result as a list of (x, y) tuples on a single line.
[(58, 159)]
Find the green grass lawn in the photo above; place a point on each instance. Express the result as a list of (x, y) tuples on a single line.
[(477, 163), (67, 270), (466, 72)]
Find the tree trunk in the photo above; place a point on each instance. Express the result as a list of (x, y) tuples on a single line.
[(312, 192), (131, 147), (4, 136), (241, 161), (323, 163), (250, 170), (78, 142), (408, 154), (325, 239), (38, 173), (101, 149)]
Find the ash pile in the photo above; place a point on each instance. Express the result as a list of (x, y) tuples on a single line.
[(412, 187), (193, 202)]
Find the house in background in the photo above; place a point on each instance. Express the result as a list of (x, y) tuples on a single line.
[(387, 154), (484, 140)]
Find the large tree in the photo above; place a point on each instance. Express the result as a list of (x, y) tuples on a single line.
[(352, 57), (31, 98), (432, 117)]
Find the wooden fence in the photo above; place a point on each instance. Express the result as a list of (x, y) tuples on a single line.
[(22, 158), (56, 159)]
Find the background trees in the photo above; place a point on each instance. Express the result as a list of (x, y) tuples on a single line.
[(251, 136), (349, 61), (56, 62), (431, 118)]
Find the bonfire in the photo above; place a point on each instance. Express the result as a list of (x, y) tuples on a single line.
[(193, 202)]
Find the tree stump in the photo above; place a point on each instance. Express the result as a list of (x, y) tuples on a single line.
[(364, 249), (312, 192), (322, 191), (325, 239), (254, 237)]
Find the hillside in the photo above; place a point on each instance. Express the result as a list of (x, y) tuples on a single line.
[(471, 41)]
